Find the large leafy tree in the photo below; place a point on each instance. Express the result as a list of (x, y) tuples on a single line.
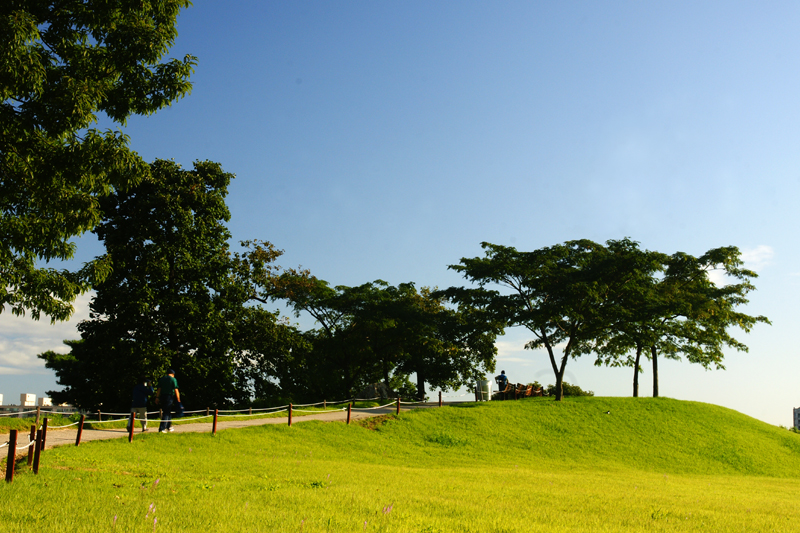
[(376, 331), (63, 64), (684, 313), (565, 295), (172, 299), (446, 347)]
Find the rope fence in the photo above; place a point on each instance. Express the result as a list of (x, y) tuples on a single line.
[(37, 438), (62, 427), (31, 443), (18, 413)]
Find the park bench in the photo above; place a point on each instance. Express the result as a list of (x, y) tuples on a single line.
[(505, 391)]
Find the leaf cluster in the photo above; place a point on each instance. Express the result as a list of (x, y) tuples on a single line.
[(62, 64)]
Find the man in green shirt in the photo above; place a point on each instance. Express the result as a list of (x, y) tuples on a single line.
[(168, 398)]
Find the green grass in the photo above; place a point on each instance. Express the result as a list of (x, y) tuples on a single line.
[(531, 465)]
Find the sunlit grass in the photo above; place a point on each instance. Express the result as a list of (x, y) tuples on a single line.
[(530, 465)]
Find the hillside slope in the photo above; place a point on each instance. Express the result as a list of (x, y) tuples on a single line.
[(651, 434)]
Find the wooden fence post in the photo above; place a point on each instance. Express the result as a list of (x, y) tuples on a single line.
[(37, 451), (38, 412), (12, 450), (208, 412), (80, 431), (30, 448), (398, 406), (44, 433), (130, 429), (324, 404), (440, 398), (214, 426), (290, 415), (349, 406)]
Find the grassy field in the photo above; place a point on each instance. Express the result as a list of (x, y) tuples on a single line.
[(586, 464)]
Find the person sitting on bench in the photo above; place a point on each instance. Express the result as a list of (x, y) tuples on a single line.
[(502, 380)]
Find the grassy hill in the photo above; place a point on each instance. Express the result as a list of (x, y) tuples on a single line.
[(651, 434), (585, 464)]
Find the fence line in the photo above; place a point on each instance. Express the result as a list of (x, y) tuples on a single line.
[(17, 413), (38, 442), (68, 425)]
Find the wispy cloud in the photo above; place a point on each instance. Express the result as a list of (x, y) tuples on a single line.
[(759, 257), (754, 259), (22, 339)]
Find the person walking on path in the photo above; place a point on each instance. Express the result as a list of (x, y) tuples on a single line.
[(141, 393), (168, 397)]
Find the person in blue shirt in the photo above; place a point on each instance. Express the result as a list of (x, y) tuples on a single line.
[(502, 380), (141, 393)]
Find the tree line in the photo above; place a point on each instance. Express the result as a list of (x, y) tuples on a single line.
[(178, 297), (171, 292), (615, 301)]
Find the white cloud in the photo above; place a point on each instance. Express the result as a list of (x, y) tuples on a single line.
[(754, 259), (22, 338), (759, 257), (717, 277)]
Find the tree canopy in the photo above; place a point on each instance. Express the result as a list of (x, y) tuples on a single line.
[(172, 299), (63, 65), (611, 299), (378, 332), (683, 312)]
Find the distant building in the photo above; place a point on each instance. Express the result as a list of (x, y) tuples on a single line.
[(45, 402), (1, 399), (797, 417), (27, 400)]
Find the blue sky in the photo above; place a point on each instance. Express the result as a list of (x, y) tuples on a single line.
[(386, 140)]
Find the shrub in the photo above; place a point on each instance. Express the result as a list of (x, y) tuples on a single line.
[(569, 390)]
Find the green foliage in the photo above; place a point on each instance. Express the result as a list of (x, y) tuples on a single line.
[(62, 65), (612, 300), (566, 294), (569, 390), (681, 313), (378, 332), (172, 301)]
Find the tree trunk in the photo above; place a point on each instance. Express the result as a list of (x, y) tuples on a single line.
[(654, 352), (420, 386), (560, 378), (636, 370), (559, 373)]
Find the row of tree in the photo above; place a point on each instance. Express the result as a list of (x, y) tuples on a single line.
[(170, 292), (177, 297), (616, 301)]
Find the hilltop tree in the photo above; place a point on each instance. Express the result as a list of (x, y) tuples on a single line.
[(685, 313), (564, 294), (376, 331), (63, 65), (409, 331)]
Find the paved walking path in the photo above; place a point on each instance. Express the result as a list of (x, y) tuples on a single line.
[(68, 436)]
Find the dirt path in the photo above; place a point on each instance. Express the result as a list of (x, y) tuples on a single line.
[(68, 436)]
